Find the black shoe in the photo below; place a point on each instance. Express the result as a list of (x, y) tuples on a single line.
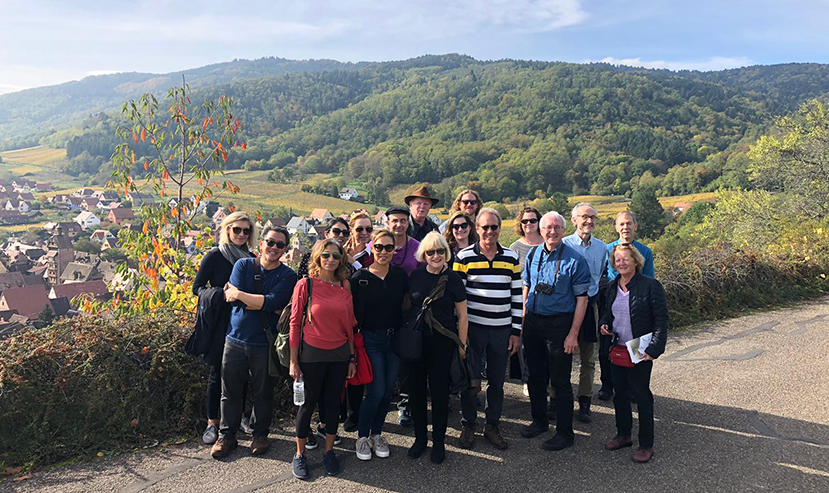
[(350, 425), (332, 465), (299, 466), (605, 394), (417, 449), (534, 429), (322, 434), (438, 453), (311, 441), (585, 416), (558, 442)]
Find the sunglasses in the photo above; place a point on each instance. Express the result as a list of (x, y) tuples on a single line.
[(470, 202), (490, 227), (338, 232), (238, 231), (460, 226), (380, 248), (336, 255), (278, 244), (360, 229), (439, 251), (529, 221)]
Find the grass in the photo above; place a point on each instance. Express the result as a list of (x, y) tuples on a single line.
[(39, 156)]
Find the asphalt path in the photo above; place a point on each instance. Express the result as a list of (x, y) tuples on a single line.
[(741, 405)]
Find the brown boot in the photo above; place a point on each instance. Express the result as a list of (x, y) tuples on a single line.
[(643, 455), (493, 435), (467, 439), (618, 442), (223, 447), (260, 445)]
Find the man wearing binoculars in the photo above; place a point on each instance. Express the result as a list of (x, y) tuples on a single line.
[(556, 281)]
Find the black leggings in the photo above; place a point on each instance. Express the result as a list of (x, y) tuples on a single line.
[(214, 392), (321, 378)]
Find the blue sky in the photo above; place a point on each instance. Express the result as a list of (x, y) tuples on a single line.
[(44, 42)]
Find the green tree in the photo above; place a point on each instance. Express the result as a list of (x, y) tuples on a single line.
[(649, 213)]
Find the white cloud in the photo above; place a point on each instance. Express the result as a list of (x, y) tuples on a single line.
[(712, 63)]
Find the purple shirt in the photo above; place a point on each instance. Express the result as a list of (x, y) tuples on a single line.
[(621, 316), (405, 257)]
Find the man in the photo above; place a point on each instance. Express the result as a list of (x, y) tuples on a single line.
[(493, 288), (594, 252), (468, 201), (626, 226), (556, 281), (420, 202), (247, 347)]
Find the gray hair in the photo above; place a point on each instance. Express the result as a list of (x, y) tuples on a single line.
[(553, 215), (579, 205), (490, 211)]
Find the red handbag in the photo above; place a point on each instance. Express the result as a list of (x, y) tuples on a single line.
[(364, 375), (619, 356)]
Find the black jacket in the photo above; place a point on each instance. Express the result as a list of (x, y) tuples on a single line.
[(648, 310), (209, 332)]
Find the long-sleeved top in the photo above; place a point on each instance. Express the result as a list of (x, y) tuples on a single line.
[(494, 295), (573, 279), (419, 232), (331, 319), (378, 303), (648, 269), (595, 253), (245, 324), (214, 271)]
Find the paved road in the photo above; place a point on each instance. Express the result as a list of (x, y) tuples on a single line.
[(740, 406)]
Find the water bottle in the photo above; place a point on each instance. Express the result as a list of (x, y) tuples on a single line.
[(299, 392)]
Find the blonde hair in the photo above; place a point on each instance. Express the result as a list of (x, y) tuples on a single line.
[(449, 234), (638, 259), (433, 241), (224, 236), (456, 205), (351, 242), (315, 263)]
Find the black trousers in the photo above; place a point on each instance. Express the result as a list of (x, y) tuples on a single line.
[(605, 374), (634, 381), (434, 370), (544, 342), (214, 392), (323, 382), (240, 363), (349, 408)]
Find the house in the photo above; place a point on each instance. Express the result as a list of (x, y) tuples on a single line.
[(320, 215), (89, 203), (43, 187), (21, 185), (105, 195), (28, 301), (98, 289), (20, 206), (70, 229), (349, 193), (218, 216), (87, 220), (317, 232), (106, 205), (80, 272), (113, 243), (4, 184), (100, 235), (275, 222), (74, 203), (380, 219), (11, 280), (120, 214), (12, 217), (26, 196), (139, 199), (298, 224), (83, 193), (55, 199)]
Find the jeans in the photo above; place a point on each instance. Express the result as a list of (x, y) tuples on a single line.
[(544, 339), (434, 370), (214, 392), (492, 344), (323, 381), (237, 363), (384, 367), (635, 381)]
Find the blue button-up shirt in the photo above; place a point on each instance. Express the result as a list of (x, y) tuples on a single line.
[(573, 279), (646, 252), (595, 253)]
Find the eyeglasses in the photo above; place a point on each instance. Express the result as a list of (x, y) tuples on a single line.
[(238, 231), (470, 202), (338, 232), (439, 251), (379, 248), (585, 217), (529, 221), (278, 244), (460, 226), (360, 229), (490, 227), (556, 227), (336, 255)]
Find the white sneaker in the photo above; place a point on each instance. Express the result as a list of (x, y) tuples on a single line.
[(381, 448), (364, 448)]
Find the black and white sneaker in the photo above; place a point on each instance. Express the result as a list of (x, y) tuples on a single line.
[(311, 441), (321, 433)]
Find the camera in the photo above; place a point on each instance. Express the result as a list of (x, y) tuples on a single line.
[(544, 288)]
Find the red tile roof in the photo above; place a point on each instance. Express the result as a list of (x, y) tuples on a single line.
[(71, 290), (28, 301)]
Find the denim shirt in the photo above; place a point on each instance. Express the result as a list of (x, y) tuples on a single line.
[(573, 279), (595, 253)]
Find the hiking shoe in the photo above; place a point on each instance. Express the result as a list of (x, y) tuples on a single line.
[(493, 435), (322, 434), (211, 434), (556, 443), (534, 429), (605, 394), (585, 416), (405, 417), (311, 441), (245, 425), (260, 445), (299, 466), (380, 446), (223, 447), (332, 465), (618, 442), (363, 448), (467, 439), (643, 455)]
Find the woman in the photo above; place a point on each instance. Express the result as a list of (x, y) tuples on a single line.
[(461, 232), (357, 244), (379, 292), (450, 311), (337, 229), (526, 226), (326, 339), (236, 240), (635, 306), (468, 201)]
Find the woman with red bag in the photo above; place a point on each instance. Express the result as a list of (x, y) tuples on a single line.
[(379, 292), (636, 306)]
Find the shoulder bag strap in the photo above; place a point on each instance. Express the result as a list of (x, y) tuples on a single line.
[(436, 294), (260, 288)]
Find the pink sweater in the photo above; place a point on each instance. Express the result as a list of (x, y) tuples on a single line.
[(331, 315)]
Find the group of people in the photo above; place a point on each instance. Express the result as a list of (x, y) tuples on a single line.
[(541, 300)]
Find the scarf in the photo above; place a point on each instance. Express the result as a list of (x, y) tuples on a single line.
[(232, 253)]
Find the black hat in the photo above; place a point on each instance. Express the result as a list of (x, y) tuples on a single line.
[(397, 209)]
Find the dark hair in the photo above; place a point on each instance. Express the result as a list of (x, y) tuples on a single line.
[(448, 234), (278, 229), (518, 229), (333, 221)]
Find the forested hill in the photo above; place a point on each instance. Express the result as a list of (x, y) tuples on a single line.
[(510, 127)]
